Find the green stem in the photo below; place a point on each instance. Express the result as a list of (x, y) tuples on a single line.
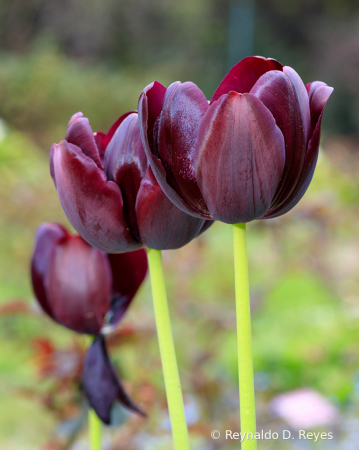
[(245, 359), (95, 426), (168, 354)]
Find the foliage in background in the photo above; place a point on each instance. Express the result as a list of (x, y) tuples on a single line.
[(305, 317), (128, 43)]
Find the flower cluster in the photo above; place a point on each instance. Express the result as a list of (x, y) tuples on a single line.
[(159, 178)]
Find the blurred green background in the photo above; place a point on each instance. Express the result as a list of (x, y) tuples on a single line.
[(96, 57)]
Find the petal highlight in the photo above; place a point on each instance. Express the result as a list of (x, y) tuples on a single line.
[(149, 109), (183, 108)]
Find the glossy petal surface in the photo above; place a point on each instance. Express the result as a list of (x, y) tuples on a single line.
[(277, 92), (78, 285), (126, 165), (99, 138), (318, 93), (101, 383), (128, 272), (149, 109), (310, 158), (80, 133), (47, 236), (183, 108), (240, 156), (92, 204), (242, 77), (303, 101), (162, 225)]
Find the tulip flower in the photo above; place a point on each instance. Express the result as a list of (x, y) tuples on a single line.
[(109, 193), (87, 291), (249, 153)]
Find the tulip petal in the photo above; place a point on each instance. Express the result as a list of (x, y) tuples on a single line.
[(47, 236), (92, 204), (78, 285), (151, 101), (183, 108), (242, 77), (126, 165), (311, 157), (240, 156), (318, 96), (161, 224), (275, 89), (99, 138), (79, 133), (113, 129), (101, 383), (128, 272), (303, 99), (149, 109)]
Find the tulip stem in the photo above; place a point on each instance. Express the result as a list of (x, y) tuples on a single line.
[(245, 359), (94, 430), (168, 353)]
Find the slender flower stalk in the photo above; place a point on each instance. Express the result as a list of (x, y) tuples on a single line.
[(245, 359), (94, 424), (168, 353), (95, 430)]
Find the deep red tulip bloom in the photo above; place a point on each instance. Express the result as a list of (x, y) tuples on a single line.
[(109, 193), (87, 291), (249, 153)]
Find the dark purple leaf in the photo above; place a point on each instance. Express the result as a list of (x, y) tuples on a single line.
[(101, 383)]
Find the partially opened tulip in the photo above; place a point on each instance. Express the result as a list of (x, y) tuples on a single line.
[(87, 291), (249, 153), (109, 193)]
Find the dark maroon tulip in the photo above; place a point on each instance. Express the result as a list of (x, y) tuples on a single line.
[(109, 193), (87, 291), (79, 286), (249, 153), (101, 382)]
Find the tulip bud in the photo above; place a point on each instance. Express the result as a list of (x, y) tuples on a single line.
[(87, 291), (77, 285)]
